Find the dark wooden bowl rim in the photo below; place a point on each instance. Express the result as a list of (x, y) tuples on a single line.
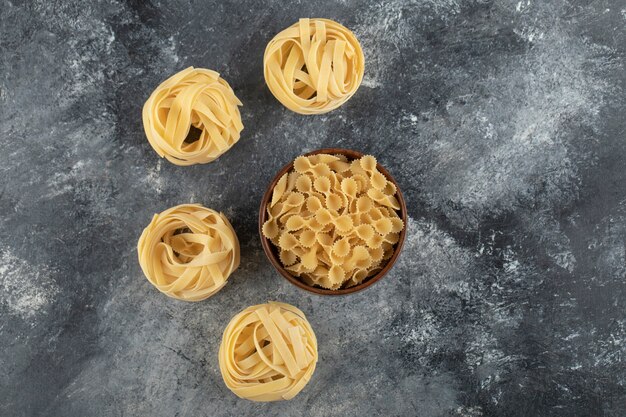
[(272, 253)]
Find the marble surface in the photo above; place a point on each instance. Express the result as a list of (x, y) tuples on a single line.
[(503, 121)]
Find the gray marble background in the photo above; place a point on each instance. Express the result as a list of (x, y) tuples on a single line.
[(503, 121)]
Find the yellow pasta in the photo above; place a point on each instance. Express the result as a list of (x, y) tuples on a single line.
[(268, 352), (334, 221), (193, 97), (313, 66), (188, 252)]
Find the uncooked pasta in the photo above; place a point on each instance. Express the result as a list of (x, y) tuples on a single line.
[(198, 98), (334, 222), (188, 252), (314, 66), (268, 352)]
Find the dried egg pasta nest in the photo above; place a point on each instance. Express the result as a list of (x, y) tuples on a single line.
[(193, 97), (334, 222), (188, 252), (268, 352), (314, 66)]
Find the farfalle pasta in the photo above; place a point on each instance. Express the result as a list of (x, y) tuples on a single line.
[(188, 252), (314, 66), (193, 97), (333, 221), (268, 352)]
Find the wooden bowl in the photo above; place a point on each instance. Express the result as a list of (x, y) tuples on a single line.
[(272, 252)]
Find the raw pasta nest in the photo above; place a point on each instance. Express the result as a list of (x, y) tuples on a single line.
[(314, 66), (188, 252), (194, 97), (268, 352), (334, 222)]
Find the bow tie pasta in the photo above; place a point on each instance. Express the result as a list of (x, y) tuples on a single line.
[(335, 222)]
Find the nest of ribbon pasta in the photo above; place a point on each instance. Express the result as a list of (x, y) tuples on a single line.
[(314, 66), (268, 352), (188, 252), (198, 98)]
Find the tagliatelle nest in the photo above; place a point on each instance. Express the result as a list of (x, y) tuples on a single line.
[(268, 352), (194, 97), (314, 66), (188, 252)]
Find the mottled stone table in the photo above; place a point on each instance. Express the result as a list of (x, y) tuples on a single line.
[(503, 121)]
